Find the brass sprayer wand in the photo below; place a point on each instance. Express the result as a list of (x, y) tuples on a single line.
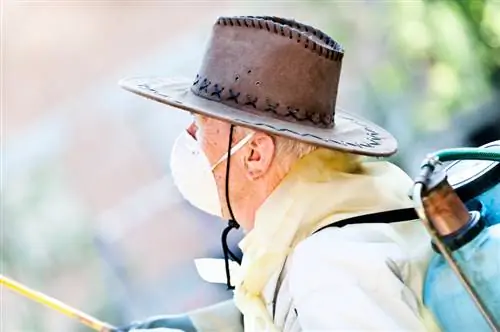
[(52, 303)]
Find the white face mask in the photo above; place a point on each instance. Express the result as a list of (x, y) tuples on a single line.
[(193, 175)]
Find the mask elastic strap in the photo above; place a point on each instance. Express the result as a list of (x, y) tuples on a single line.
[(233, 149), (232, 223)]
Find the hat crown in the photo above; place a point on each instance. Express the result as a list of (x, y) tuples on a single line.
[(272, 75), (283, 68)]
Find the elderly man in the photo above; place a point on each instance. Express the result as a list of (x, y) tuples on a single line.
[(331, 242)]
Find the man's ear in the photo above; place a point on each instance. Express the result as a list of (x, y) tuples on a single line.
[(260, 156)]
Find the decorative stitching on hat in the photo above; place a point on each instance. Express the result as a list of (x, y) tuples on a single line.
[(233, 96), (251, 101), (297, 114), (316, 118), (328, 48), (281, 111), (271, 107), (217, 92), (197, 79), (372, 137), (327, 118), (204, 85)]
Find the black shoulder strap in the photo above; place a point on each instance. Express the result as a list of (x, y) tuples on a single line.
[(384, 217)]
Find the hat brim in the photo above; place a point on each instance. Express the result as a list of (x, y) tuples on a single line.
[(350, 134)]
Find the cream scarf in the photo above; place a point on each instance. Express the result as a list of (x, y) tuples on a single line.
[(312, 195)]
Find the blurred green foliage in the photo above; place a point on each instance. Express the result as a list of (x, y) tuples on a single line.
[(435, 60), (445, 54), (457, 45)]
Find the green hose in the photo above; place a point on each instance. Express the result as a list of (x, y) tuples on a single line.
[(492, 154), (432, 160)]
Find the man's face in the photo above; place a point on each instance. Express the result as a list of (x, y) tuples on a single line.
[(248, 165)]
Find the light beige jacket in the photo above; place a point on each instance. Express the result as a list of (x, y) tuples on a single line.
[(355, 278), (365, 277)]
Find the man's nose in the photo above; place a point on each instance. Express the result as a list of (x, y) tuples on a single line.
[(192, 129)]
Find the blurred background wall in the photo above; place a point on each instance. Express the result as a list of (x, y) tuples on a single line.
[(89, 212)]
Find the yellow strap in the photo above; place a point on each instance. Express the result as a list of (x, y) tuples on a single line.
[(52, 303)]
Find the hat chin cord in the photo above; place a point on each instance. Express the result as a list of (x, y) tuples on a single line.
[(232, 223)]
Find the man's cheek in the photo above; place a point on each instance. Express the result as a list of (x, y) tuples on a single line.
[(220, 180)]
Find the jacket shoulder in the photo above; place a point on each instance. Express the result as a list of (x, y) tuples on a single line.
[(352, 252), (365, 264), (364, 236), (364, 252)]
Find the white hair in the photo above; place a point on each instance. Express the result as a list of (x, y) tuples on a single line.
[(286, 147), (288, 150)]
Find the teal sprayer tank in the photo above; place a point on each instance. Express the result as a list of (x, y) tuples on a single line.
[(477, 183), (471, 234)]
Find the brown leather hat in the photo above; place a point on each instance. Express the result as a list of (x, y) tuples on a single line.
[(273, 75)]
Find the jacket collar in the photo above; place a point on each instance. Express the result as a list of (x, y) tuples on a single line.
[(313, 194)]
